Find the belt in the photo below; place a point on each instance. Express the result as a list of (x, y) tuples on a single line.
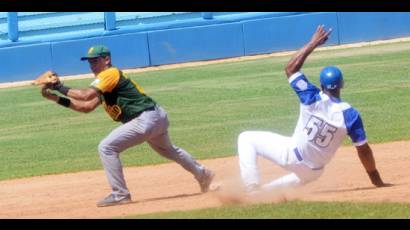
[(152, 108), (139, 113), (296, 151)]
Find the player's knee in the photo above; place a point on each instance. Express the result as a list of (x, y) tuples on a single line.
[(166, 151), (245, 137), (105, 149), (102, 148), (169, 151), (310, 177)]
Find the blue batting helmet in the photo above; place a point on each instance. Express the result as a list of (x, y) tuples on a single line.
[(331, 77)]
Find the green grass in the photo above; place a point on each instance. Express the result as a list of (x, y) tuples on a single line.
[(292, 210), (208, 107)]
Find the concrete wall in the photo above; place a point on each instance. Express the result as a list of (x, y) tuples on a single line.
[(195, 40)]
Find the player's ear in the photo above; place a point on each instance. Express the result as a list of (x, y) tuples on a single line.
[(107, 60)]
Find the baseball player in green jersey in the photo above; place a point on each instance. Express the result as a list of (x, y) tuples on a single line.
[(143, 121)]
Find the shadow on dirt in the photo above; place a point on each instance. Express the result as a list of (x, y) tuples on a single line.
[(167, 197), (354, 189)]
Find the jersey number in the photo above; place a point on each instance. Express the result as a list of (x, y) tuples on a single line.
[(319, 132)]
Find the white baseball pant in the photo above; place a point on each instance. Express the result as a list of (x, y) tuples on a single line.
[(278, 149)]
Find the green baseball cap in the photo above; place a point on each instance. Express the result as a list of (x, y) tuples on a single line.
[(97, 51)]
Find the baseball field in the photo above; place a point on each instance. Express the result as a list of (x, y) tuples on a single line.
[(50, 166)]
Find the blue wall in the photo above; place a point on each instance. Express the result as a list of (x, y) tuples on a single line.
[(195, 40), (24, 62), (358, 27), (285, 33), (128, 51), (197, 43)]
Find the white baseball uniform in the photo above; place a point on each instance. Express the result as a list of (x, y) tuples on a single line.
[(322, 125)]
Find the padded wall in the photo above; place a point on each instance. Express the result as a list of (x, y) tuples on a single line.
[(285, 33), (196, 43), (24, 62), (364, 26), (197, 40), (127, 51)]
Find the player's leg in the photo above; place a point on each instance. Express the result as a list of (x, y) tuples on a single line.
[(252, 144), (125, 136), (301, 175), (161, 143), (287, 181)]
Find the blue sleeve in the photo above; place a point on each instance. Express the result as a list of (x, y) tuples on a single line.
[(306, 91), (354, 125)]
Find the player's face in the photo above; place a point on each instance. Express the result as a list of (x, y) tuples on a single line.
[(98, 64)]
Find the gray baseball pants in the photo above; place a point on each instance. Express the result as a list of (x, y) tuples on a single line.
[(150, 126)]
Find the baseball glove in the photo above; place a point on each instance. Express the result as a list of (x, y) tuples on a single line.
[(48, 79)]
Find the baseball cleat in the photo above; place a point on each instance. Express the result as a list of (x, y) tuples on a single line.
[(205, 180), (110, 200)]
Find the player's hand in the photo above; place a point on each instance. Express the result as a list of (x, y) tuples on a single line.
[(56, 84), (377, 180), (320, 36), (46, 93), (385, 185)]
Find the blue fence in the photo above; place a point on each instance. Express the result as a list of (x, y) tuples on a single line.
[(211, 36)]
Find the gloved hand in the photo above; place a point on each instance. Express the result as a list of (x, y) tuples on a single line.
[(48, 79)]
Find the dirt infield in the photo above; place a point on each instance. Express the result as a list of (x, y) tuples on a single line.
[(168, 187)]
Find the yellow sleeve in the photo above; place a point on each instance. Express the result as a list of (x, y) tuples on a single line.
[(108, 80)]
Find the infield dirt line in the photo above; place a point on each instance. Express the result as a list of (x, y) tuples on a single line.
[(168, 187)]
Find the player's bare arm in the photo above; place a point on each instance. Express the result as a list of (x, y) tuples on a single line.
[(296, 62), (84, 106), (366, 157), (83, 94), (54, 83)]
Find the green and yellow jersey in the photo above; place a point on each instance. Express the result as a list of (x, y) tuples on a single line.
[(122, 98)]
